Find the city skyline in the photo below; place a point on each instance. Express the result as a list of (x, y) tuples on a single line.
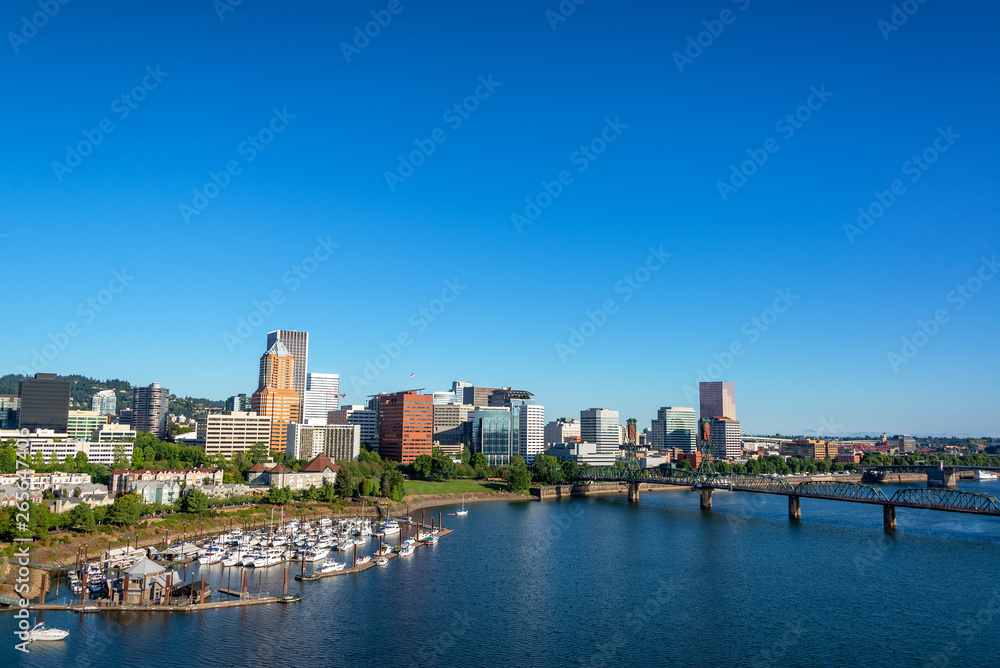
[(840, 208)]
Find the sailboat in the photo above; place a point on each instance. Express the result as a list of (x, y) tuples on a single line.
[(463, 511)]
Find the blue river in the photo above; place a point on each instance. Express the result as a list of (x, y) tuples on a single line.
[(601, 582)]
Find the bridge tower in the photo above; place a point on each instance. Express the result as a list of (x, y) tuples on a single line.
[(705, 470), (632, 469)]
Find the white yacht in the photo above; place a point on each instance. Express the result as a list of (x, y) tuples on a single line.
[(317, 554), (986, 475), (330, 566), (406, 550), (361, 561), (42, 632)]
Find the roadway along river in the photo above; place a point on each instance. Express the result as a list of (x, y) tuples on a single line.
[(600, 582)]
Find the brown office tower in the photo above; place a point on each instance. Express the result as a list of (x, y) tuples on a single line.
[(405, 425), (275, 396)]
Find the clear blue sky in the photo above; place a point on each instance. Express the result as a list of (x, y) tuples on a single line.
[(656, 184)]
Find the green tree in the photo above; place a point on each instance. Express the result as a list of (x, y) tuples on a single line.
[(545, 469), (570, 469), (479, 461), (119, 458), (82, 517), (517, 475), (258, 453), (148, 454), (138, 458), (442, 468), (346, 484), (8, 459), (422, 466), (80, 462), (125, 511), (465, 456), (194, 501), (393, 485)]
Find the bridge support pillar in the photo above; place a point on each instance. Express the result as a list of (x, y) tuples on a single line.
[(794, 508), (706, 499), (633, 492), (889, 517)]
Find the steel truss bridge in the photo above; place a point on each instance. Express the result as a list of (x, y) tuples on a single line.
[(706, 482)]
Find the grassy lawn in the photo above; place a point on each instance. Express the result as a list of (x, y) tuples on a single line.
[(451, 487)]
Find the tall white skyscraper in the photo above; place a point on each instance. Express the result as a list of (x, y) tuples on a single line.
[(531, 431), (104, 403), (322, 397), (718, 400), (600, 426)]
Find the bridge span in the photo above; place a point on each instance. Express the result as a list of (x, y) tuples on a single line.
[(706, 482)]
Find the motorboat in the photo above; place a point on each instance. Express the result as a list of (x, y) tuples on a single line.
[(382, 561), (390, 527), (406, 550), (317, 554), (213, 557), (361, 561), (431, 540), (42, 632), (330, 566), (985, 475), (385, 549)]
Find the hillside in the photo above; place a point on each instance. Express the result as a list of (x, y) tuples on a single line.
[(84, 388)]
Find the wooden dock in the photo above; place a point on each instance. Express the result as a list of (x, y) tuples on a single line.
[(193, 607)]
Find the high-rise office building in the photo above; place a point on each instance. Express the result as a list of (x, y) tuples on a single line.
[(675, 427), (82, 424), (726, 441), (238, 403), (44, 403), (600, 426), (149, 409), (275, 397), (104, 402), (531, 431), (297, 345), (448, 420), (10, 409), (321, 397), (336, 441), (563, 430), (233, 431), (718, 399), (358, 415), (477, 395), (455, 396), (493, 434), (405, 425)]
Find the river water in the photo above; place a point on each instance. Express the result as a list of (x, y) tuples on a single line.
[(599, 581)]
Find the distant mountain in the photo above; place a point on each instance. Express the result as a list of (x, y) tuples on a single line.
[(84, 388)]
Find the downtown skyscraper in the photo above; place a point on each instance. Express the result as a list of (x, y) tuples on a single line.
[(297, 345), (275, 397), (718, 399)]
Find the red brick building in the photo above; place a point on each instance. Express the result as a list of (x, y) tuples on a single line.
[(405, 425)]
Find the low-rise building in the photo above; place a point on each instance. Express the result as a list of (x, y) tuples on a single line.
[(584, 454), (223, 491), (44, 481), (809, 448), (125, 480), (12, 495), (316, 472), (158, 491)]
